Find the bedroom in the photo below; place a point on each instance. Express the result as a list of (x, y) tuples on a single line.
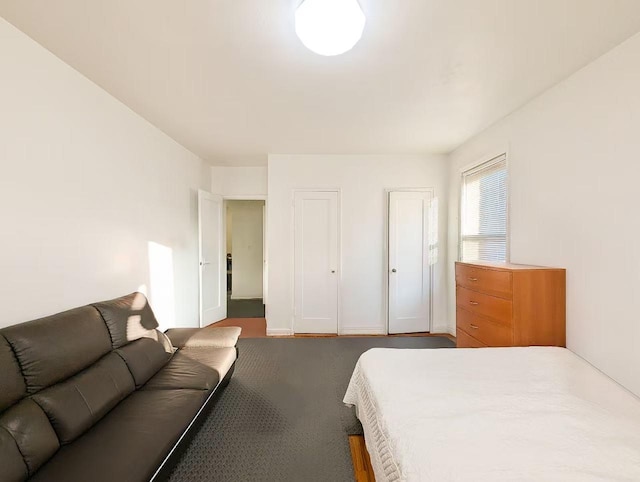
[(113, 117)]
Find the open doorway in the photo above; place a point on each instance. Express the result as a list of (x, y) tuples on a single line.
[(245, 258)]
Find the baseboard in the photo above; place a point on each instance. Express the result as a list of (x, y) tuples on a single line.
[(279, 332), (246, 297), (362, 331)]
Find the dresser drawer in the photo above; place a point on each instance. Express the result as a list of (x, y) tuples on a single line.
[(489, 281), (465, 341), (481, 304), (484, 329)]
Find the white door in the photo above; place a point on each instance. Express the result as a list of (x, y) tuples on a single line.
[(316, 262), (409, 269), (213, 269)]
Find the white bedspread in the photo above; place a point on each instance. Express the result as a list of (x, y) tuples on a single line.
[(494, 414)]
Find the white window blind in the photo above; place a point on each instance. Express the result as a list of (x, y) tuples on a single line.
[(483, 226)]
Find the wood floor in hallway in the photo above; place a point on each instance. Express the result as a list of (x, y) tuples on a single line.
[(257, 328), (251, 327)]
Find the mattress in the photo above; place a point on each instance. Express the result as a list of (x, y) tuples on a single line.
[(494, 414)]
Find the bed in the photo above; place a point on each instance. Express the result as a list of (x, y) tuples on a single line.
[(494, 414)]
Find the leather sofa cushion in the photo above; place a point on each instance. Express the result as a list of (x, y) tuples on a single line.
[(216, 337), (12, 387), (74, 405), (32, 433), (185, 372), (128, 318), (220, 359), (56, 347), (144, 357), (130, 443), (194, 368), (13, 467)]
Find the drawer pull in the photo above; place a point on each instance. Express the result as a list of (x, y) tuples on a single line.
[(473, 279), (473, 326), (474, 303)]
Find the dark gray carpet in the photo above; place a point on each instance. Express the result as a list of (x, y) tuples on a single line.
[(281, 418), (245, 308)]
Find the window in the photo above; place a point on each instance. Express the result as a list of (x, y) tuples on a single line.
[(483, 223)]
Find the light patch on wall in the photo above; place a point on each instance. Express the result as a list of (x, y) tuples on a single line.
[(161, 284)]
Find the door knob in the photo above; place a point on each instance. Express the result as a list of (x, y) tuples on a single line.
[(333, 270), (394, 270)]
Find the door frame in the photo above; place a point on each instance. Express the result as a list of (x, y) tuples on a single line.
[(386, 267), (265, 242), (292, 277)]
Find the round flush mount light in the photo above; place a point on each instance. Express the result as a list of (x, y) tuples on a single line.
[(329, 27)]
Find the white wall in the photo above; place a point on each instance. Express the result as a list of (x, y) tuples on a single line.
[(85, 186), (247, 243), (239, 181), (362, 180), (574, 166)]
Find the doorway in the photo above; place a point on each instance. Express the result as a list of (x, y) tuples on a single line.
[(245, 258)]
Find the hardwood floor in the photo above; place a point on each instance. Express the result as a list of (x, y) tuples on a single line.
[(362, 469), (251, 327), (257, 328)]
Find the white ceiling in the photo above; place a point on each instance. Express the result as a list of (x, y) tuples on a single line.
[(229, 79)]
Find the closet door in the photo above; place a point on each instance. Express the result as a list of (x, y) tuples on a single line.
[(409, 269), (316, 261)]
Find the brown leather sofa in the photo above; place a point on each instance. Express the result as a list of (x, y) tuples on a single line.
[(97, 393)]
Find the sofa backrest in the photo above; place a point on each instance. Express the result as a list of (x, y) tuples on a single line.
[(12, 390), (128, 318), (12, 386), (132, 326), (52, 349), (63, 373)]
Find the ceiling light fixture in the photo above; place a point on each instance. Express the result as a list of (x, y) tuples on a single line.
[(329, 27)]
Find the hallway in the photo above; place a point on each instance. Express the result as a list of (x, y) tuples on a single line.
[(252, 308)]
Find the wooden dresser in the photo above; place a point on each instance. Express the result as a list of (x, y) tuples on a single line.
[(502, 304)]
